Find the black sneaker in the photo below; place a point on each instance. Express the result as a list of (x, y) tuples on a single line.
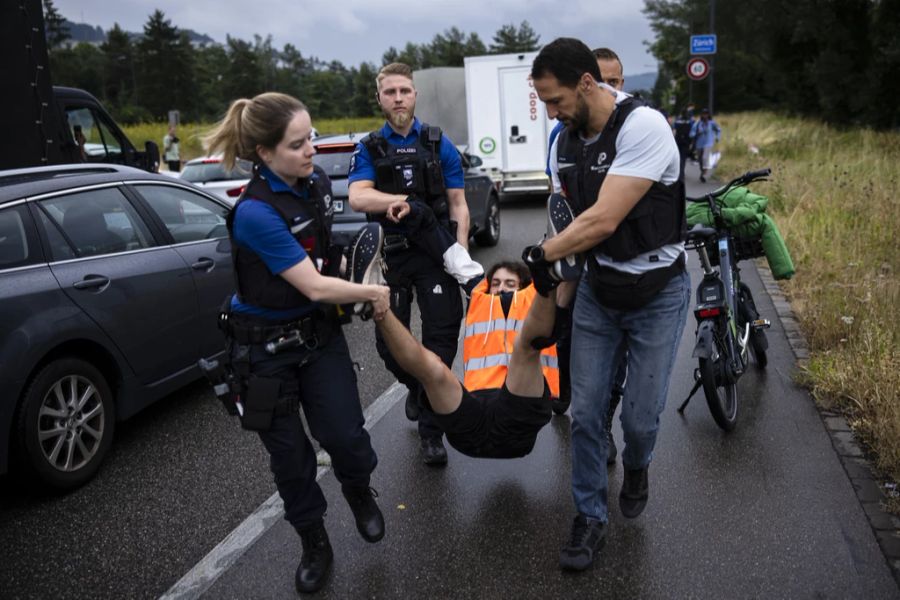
[(560, 216), (369, 520), (433, 452), (315, 564), (365, 261), (634, 494), (588, 538)]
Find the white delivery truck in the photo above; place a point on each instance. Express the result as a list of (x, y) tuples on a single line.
[(508, 125)]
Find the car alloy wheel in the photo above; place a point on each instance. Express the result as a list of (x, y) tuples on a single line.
[(66, 422)]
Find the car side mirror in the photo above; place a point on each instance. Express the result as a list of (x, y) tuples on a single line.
[(474, 161), (151, 157)]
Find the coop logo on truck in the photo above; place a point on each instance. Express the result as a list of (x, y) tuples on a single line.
[(532, 102)]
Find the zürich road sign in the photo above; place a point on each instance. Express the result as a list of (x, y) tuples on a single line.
[(703, 44)]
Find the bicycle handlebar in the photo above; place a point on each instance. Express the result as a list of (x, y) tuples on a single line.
[(746, 178)]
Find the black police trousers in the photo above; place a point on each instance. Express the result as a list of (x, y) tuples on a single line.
[(324, 383), (411, 273)]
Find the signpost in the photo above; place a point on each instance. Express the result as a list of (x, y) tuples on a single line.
[(697, 68), (703, 44)]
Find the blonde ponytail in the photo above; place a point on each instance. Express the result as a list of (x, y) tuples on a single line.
[(261, 121)]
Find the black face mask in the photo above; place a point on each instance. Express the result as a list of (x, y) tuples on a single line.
[(506, 299)]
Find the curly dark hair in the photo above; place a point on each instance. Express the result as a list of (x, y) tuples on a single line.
[(513, 266)]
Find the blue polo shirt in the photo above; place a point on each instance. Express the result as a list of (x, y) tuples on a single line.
[(362, 169), (259, 228)]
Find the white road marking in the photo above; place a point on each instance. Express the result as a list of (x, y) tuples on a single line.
[(200, 578)]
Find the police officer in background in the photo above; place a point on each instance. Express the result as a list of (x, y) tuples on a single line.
[(412, 161), (285, 343), (619, 168)]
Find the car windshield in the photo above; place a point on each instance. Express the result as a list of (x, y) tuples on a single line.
[(203, 172)]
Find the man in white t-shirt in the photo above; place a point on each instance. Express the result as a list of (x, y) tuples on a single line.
[(618, 166)]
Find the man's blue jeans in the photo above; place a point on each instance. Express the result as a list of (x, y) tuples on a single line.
[(600, 337)]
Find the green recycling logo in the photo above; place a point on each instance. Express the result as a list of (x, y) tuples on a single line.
[(487, 145)]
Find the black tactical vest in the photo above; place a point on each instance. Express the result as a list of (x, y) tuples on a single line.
[(310, 223), (656, 220), (411, 170)]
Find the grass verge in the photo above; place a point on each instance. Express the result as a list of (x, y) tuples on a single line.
[(190, 133), (835, 195)]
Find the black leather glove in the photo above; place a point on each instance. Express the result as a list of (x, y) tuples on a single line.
[(420, 216), (560, 329), (540, 269)]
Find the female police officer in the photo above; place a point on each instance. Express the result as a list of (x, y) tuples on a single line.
[(286, 346)]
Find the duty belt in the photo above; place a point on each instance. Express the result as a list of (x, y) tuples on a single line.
[(310, 331)]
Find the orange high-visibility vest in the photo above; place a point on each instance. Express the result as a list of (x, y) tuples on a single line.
[(489, 339)]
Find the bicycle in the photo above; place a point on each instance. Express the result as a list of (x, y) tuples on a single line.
[(728, 324)]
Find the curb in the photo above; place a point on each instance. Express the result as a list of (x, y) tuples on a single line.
[(869, 491)]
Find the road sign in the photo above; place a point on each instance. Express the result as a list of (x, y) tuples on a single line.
[(703, 44), (698, 68)]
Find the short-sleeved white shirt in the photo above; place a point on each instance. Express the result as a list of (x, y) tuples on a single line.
[(645, 148)]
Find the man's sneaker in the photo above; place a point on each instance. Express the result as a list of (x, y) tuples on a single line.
[(366, 265), (369, 520), (433, 452), (560, 216), (588, 538), (315, 564), (634, 494)]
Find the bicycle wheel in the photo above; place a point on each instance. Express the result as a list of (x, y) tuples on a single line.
[(759, 343), (721, 396)]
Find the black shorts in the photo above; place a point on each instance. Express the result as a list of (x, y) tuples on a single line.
[(496, 423)]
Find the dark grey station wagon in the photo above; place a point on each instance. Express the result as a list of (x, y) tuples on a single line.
[(110, 282)]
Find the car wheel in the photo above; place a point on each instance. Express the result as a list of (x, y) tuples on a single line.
[(65, 423), (490, 235)]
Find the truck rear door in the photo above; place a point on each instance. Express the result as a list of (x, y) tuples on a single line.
[(524, 136)]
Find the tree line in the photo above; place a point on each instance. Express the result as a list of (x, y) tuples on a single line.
[(837, 60), (142, 79)]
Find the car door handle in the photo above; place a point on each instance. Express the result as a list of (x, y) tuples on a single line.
[(90, 282), (203, 264)]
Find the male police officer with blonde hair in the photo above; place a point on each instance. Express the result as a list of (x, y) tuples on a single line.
[(409, 160)]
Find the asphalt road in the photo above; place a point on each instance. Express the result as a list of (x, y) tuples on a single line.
[(766, 511)]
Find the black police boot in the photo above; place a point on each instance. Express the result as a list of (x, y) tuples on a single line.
[(315, 565), (433, 452), (611, 451), (369, 520)]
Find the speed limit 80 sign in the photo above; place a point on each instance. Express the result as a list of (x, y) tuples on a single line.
[(698, 68)]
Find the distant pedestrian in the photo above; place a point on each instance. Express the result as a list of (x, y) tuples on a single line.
[(705, 132), (681, 127), (172, 150)]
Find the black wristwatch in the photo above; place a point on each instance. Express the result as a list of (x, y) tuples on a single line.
[(536, 254)]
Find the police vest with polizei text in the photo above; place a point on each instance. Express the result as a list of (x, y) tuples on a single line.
[(309, 221), (413, 170), (656, 220)]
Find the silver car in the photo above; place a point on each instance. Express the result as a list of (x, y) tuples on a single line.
[(209, 173)]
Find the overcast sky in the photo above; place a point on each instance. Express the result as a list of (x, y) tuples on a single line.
[(353, 31)]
